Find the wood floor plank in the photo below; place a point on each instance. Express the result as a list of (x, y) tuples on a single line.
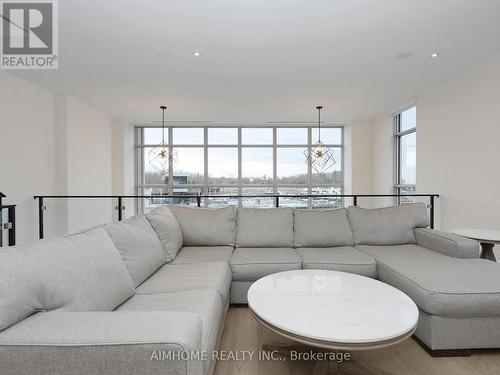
[(243, 333)]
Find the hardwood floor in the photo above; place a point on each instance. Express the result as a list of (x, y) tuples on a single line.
[(243, 333)]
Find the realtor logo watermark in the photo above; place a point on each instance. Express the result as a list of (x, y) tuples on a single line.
[(29, 34)]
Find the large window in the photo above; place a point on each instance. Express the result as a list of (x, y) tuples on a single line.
[(405, 126), (244, 161)]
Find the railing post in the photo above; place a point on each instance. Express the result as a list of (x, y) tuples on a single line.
[(12, 225), (120, 208), (198, 200), (2, 195), (432, 210), (277, 202), (40, 217), (355, 200)]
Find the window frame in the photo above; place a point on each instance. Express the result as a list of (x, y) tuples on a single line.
[(206, 187), (398, 187)]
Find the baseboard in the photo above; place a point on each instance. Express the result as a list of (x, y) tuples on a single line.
[(238, 305)]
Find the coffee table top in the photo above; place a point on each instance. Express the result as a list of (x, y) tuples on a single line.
[(482, 235), (332, 306)]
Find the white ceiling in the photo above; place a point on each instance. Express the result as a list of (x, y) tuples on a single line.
[(264, 60)]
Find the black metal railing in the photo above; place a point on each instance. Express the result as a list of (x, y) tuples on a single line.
[(198, 199), (10, 225)]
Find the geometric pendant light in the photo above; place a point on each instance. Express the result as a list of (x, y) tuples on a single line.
[(159, 157), (320, 155)]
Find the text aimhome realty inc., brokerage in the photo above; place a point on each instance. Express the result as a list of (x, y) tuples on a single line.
[(29, 34)]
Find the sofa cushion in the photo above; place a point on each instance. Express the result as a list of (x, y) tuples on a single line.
[(168, 229), (439, 284), (206, 226), (387, 226), (250, 264), (182, 277), (264, 227), (204, 254), (344, 258), (82, 272), (206, 303), (322, 228), (138, 244)]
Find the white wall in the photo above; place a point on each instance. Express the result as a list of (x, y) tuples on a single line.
[(458, 146), (369, 160), (89, 164), (382, 159), (123, 163), (26, 149), (361, 154), (51, 145), (84, 164)]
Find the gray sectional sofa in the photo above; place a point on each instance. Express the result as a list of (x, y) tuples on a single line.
[(124, 298)]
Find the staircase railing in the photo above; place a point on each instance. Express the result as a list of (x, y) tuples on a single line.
[(10, 224), (198, 199)]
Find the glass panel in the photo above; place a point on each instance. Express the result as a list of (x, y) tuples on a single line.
[(151, 175), (188, 167), (221, 202), (292, 166), (223, 136), (329, 136), (153, 136), (333, 175), (407, 162), (409, 119), (188, 136), (295, 202), (327, 202), (262, 202), (149, 204), (222, 166), (407, 190), (257, 166), (291, 136), (257, 136)]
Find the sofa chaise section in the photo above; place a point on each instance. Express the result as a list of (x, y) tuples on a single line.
[(458, 299), (458, 295)]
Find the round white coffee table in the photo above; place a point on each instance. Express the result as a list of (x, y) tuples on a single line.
[(333, 311), (487, 238)]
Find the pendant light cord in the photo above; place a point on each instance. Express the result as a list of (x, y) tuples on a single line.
[(163, 108), (319, 108)]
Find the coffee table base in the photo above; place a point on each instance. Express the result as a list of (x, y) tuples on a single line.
[(487, 251), (323, 366), (299, 345)]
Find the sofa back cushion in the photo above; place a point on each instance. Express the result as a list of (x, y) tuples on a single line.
[(168, 230), (322, 228), (82, 272), (139, 246), (264, 227), (206, 226), (387, 226)]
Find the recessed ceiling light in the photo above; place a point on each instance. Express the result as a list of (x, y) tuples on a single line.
[(197, 54), (435, 54)]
